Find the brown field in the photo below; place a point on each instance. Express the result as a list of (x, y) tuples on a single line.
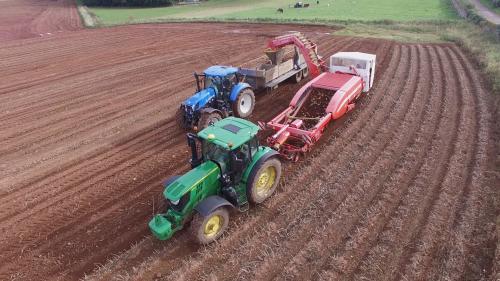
[(404, 188), (36, 18)]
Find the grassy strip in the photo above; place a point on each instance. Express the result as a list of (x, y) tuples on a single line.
[(88, 18), (489, 5), (362, 10), (483, 46)]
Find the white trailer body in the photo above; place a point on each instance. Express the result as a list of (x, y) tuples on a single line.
[(362, 62)]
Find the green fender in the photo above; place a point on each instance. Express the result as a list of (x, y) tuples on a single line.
[(263, 151)]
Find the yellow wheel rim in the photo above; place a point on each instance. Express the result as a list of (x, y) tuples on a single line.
[(213, 226), (266, 181)]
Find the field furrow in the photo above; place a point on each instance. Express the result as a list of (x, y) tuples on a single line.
[(402, 188)]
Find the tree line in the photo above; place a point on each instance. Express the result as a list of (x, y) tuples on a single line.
[(129, 3)]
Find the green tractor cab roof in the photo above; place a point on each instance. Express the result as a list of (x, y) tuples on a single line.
[(219, 70), (229, 133)]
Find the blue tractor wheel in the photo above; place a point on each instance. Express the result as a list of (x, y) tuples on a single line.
[(244, 104)]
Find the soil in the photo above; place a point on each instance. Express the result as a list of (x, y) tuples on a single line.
[(37, 18), (314, 107), (403, 187)]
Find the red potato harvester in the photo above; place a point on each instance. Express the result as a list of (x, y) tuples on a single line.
[(327, 97)]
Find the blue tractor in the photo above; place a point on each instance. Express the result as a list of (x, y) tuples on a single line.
[(220, 93)]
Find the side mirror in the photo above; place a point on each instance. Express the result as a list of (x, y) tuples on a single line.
[(195, 158), (237, 164)]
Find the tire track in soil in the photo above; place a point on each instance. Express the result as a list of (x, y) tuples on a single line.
[(339, 209), (272, 204), (72, 221), (340, 262), (52, 135), (382, 259), (432, 238), (273, 103), (53, 248), (119, 155), (51, 138), (473, 230)]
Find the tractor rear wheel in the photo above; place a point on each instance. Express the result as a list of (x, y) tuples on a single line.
[(208, 119), (263, 180), (206, 229), (298, 76), (244, 104)]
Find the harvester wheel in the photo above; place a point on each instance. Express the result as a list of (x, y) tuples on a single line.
[(244, 104), (298, 76), (263, 180), (208, 119), (206, 229), (305, 72)]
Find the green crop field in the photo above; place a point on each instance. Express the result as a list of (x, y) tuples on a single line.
[(344, 10)]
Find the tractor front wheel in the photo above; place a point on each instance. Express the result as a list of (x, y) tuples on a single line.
[(208, 119), (206, 229), (263, 180), (244, 104)]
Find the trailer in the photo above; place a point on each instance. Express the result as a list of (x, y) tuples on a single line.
[(224, 91), (269, 75), (325, 98)]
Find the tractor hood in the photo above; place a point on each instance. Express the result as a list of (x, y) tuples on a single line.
[(189, 180), (200, 99)]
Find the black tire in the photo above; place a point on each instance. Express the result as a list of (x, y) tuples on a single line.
[(244, 104), (199, 226), (298, 76), (305, 72), (258, 187), (179, 118), (208, 119)]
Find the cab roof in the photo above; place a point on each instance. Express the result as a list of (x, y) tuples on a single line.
[(219, 70), (230, 133), (355, 55)]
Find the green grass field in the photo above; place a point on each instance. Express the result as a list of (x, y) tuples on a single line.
[(343, 10), (489, 4)]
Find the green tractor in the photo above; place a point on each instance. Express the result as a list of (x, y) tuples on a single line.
[(229, 170)]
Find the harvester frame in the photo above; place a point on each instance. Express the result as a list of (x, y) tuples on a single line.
[(349, 74)]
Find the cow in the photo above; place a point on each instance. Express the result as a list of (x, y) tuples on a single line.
[(280, 10)]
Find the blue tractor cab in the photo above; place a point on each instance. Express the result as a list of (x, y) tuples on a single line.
[(220, 93)]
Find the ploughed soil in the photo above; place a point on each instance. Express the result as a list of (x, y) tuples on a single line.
[(403, 188), (37, 18)]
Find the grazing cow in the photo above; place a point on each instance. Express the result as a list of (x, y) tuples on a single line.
[(306, 5), (280, 10)]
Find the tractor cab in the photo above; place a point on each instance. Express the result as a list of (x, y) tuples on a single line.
[(221, 78), (220, 93), (230, 143), (229, 171)]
